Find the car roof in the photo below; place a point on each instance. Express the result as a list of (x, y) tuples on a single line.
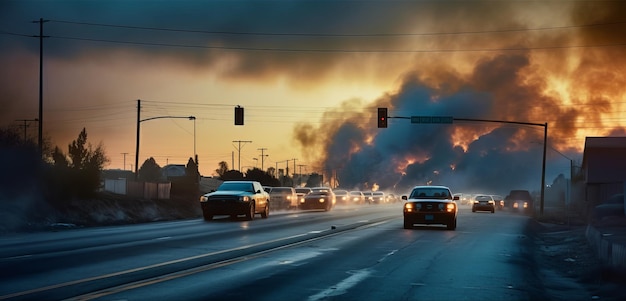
[(282, 188), (239, 181), (432, 186)]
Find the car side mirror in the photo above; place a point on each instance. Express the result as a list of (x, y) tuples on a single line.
[(456, 198), (404, 197)]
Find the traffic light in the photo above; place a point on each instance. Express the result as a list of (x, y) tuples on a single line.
[(238, 115), (382, 117)]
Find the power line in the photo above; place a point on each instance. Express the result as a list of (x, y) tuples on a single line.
[(309, 34), (321, 50)]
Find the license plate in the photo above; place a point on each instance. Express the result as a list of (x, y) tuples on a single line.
[(429, 217)]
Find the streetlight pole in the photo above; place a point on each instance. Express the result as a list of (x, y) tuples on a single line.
[(139, 121), (571, 179)]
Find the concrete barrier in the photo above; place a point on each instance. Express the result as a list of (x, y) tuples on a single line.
[(609, 244)]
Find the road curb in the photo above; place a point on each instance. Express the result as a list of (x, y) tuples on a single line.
[(609, 245)]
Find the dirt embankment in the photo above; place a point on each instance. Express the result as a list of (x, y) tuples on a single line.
[(105, 209)]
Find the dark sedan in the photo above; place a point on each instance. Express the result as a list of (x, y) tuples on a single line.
[(430, 205), (484, 203), (318, 198), (236, 198)]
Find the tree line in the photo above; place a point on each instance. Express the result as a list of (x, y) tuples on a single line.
[(55, 175)]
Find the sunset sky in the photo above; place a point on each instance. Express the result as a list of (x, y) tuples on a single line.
[(310, 75)]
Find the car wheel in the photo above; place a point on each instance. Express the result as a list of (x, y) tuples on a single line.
[(452, 225), (207, 216), (493, 211), (251, 212), (473, 210), (266, 211), (408, 225)]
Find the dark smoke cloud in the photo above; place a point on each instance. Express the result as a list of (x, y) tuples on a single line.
[(347, 18), (502, 85), (502, 157)]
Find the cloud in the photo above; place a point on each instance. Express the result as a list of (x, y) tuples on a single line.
[(468, 155), (461, 58)]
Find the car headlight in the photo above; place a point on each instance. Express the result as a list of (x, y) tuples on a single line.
[(476, 202), (515, 205), (322, 200), (410, 207), (204, 198), (525, 204), (302, 200), (450, 207), (244, 198)]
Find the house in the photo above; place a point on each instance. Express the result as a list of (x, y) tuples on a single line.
[(604, 168), (173, 170)]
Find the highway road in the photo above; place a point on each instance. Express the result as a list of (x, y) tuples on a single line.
[(349, 253)]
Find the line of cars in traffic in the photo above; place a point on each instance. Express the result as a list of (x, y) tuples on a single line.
[(250, 198), (516, 201), (428, 205), (358, 197), (424, 205)]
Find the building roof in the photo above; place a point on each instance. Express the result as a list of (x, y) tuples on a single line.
[(605, 142), (604, 159)]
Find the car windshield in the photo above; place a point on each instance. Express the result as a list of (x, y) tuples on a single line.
[(355, 193), (303, 190), (430, 193), (233, 186), (483, 198), (320, 192), (281, 189)]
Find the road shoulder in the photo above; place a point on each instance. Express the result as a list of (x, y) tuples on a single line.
[(568, 267)]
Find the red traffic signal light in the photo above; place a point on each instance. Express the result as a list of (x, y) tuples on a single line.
[(382, 117), (238, 115)]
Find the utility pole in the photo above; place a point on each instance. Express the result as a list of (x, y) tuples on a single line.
[(40, 36), (239, 151), (543, 170), (26, 125), (263, 155), (300, 177), (294, 166), (124, 160), (137, 147)]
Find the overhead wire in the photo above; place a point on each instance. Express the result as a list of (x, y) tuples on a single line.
[(309, 34), (276, 118)]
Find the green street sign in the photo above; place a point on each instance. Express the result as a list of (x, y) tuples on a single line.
[(431, 119)]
